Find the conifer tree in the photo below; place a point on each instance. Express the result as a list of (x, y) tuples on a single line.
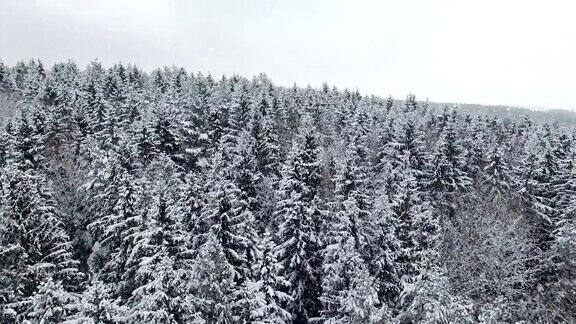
[(97, 304), (159, 274), (34, 246), (212, 281), (227, 213), (189, 207), (167, 139), (119, 233), (446, 177), (4, 75), (407, 152), (474, 146), (410, 104), (270, 284), (52, 304), (348, 292), (300, 214), (33, 83), (496, 175), (414, 229)]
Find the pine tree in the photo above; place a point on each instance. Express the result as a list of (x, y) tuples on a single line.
[(475, 147), (213, 283), (147, 144), (546, 192), (227, 212), (353, 183), (267, 153), (348, 292), (92, 96), (496, 176), (414, 229), (410, 147), (159, 272), (168, 141), (406, 152), (447, 174), (33, 83), (269, 285), (52, 304), (300, 214), (563, 290), (4, 75), (410, 104), (263, 130), (428, 300), (546, 196), (446, 178), (119, 230), (97, 304), (18, 73), (229, 215), (34, 246), (189, 207)]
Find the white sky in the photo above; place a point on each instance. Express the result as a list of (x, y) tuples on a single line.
[(509, 52)]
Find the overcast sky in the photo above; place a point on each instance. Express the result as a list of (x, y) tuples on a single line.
[(513, 52)]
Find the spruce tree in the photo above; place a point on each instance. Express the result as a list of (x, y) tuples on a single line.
[(496, 176), (446, 177), (348, 289), (300, 215), (120, 230), (34, 245), (270, 285), (159, 269)]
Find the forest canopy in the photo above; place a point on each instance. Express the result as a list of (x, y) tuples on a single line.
[(175, 197)]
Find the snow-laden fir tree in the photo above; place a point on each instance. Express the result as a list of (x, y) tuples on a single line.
[(446, 176), (162, 257), (229, 214), (301, 216), (52, 304), (349, 292), (415, 227), (34, 245), (269, 285), (496, 176)]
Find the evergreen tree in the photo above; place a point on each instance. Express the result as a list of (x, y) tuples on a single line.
[(190, 207), (97, 304), (446, 177), (270, 285), (228, 212), (159, 274), (33, 244), (52, 304), (301, 218), (348, 292), (113, 252), (213, 281), (4, 75), (496, 175), (410, 104), (414, 229)]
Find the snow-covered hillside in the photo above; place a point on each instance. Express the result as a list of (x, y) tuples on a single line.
[(171, 196)]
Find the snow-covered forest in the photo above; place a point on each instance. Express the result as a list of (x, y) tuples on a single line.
[(176, 197)]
